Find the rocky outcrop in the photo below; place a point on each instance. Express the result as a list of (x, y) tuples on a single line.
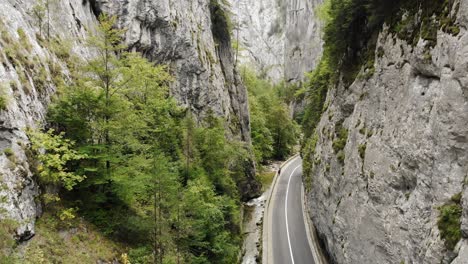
[(377, 197), (187, 35)]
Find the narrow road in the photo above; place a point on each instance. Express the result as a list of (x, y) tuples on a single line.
[(288, 236)]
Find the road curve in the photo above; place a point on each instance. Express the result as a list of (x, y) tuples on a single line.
[(288, 235)]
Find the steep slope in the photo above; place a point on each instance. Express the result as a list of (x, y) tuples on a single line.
[(192, 37), (387, 168)]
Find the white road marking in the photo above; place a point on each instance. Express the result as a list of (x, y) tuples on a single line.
[(286, 213)]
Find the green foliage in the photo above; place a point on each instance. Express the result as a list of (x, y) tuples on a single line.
[(266, 178), (317, 85), (77, 242), (61, 48), (423, 21), (339, 143), (273, 131), (7, 240), (340, 140), (456, 198), (308, 153), (54, 154), (24, 39), (39, 13), (449, 222)]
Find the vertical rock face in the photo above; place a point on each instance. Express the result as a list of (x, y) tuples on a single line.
[(185, 34), (259, 35), (303, 43), (406, 154), (26, 87), (281, 39)]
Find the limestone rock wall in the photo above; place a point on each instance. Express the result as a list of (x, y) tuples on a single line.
[(406, 154), (259, 34), (303, 41)]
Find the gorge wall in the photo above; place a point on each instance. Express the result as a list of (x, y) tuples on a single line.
[(390, 153), (280, 39), (189, 36)]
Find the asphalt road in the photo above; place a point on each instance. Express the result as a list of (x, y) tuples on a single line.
[(289, 238)]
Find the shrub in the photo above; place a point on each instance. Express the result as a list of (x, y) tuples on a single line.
[(340, 141), (23, 39), (449, 224)]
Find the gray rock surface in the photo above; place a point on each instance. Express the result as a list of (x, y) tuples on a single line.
[(303, 43), (177, 32), (259, 30), (281, 39), (412, 116)]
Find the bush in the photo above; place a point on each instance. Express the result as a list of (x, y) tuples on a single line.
[(449, 224)]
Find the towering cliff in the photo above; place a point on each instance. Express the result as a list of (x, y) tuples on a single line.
[(387, 167), (191, 36), (303, 44), (281, 39), (259, 35)]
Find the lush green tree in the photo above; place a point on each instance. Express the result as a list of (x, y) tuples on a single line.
[(274, 132), (54, 155)]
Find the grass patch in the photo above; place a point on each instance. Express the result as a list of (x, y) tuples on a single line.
[(8, 152), (75, 242), (449, 222), (3, 102), (266, 178), (340, 140)]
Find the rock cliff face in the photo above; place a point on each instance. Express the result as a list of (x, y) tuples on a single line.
[(303, 43), (259, 34), (281, 39), (405, 130), (187, 35)]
